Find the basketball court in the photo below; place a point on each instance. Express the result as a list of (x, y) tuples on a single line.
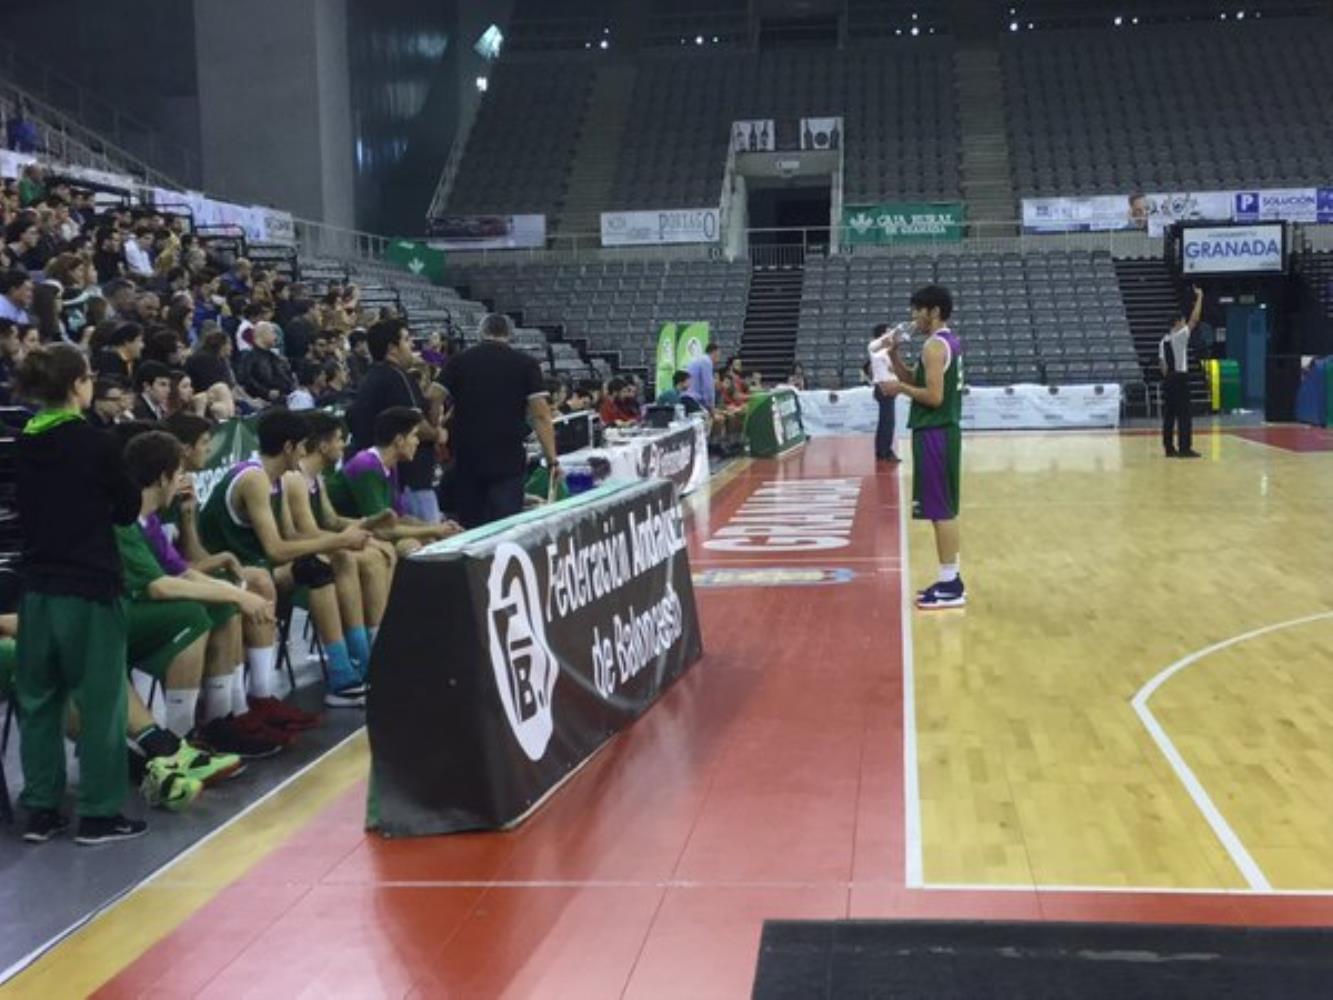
[(1130, 722)]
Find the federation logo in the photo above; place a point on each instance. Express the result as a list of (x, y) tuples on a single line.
[(525, 668)]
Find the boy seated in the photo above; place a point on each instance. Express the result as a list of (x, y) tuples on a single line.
[(362, 578), (183, 629), (367, 485), (187, 551), (241, 517)]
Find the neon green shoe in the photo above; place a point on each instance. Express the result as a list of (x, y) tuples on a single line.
[(208, 768), (167, 787)]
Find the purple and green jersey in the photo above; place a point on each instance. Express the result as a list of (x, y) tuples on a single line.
[(365, 486), (937, 440)]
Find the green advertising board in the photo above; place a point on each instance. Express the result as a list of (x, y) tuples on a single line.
[(904, 222), (677, 345), (773, 423), (417, 257), (233, 441)]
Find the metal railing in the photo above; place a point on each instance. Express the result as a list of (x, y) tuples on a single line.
[(316, 239), (139, 145)]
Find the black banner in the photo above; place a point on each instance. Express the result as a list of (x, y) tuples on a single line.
[(670, 456), (507, 657)]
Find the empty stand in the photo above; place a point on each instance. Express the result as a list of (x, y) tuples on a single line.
[(520, 150), (1172, 107), (618, 307), (1045, 317)]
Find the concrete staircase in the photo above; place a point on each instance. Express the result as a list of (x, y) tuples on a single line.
[(987, 170), (768, 341), (593, 176)]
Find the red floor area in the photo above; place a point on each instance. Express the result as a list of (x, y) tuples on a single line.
[(768, 783), (1290, 437)]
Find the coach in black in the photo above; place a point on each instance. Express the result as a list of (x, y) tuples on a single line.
[(496, 392)]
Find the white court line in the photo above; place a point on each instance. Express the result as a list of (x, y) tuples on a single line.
[(119, 898), (914, 877), (1240, 857)]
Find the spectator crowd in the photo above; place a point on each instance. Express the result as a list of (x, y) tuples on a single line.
[(126, 341)]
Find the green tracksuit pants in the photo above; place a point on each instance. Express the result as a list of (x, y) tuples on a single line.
[(72, 648)]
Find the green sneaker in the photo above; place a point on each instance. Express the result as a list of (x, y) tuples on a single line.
[(208, 768), (166, 787)]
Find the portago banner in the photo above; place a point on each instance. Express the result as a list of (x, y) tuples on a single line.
[(562, 627), (673, 225), (904, 222)]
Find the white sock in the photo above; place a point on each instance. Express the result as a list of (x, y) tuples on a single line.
[(217, 697), (239, 703), (371, 632), (948, 572), (181, 705), (263, 672)]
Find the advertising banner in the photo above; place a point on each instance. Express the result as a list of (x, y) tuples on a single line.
[(904, 222), (1018, 407), (1280, 205), (1232, 249), (821, 133), (773, 423), (1158, 211), (233, 441), (487, 232), (754, 135), (691, 342), (666, 356), (673, 225), (564, 625), (418, 258), (12, 163), (678, 454), (279, 227)]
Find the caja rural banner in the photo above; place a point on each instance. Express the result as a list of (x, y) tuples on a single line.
[(509, 654), (904, 222), (672, 225)]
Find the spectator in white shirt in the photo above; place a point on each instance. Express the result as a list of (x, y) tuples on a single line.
[(136, 252), (16, 297)]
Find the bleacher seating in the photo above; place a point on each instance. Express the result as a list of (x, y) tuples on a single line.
[(901, 122), (1200, 106), (1041, 317), (518, 156), (617, 306)]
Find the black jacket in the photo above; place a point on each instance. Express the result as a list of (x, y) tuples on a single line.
[(261, 372), (72, 489)]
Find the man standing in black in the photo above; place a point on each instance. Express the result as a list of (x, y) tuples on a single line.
[(387, 384), (1173, 355), (496, 391)]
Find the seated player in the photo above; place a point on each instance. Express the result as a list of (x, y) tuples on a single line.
[(184, 629), (308, 513), (241, 517), (188, 551), (367, 485)]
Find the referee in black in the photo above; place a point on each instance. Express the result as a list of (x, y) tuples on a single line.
[(1173, 352), (497, 392)]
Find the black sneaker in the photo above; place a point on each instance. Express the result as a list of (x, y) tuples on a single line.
[(43, 824), (108, 829), (944, 595)]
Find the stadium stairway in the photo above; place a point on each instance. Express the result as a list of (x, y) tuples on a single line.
[(987, 173), (772, 316), (1151, 299), (593, 175)]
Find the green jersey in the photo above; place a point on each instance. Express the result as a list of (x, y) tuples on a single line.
[(950, 411), (223, 526)]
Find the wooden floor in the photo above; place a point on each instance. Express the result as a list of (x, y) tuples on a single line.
[(1133, 720), (1095, 565)]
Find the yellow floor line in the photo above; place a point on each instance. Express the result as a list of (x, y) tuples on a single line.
[(97, 952)]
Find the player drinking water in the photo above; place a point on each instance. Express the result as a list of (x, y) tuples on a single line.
[(935, 388)]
